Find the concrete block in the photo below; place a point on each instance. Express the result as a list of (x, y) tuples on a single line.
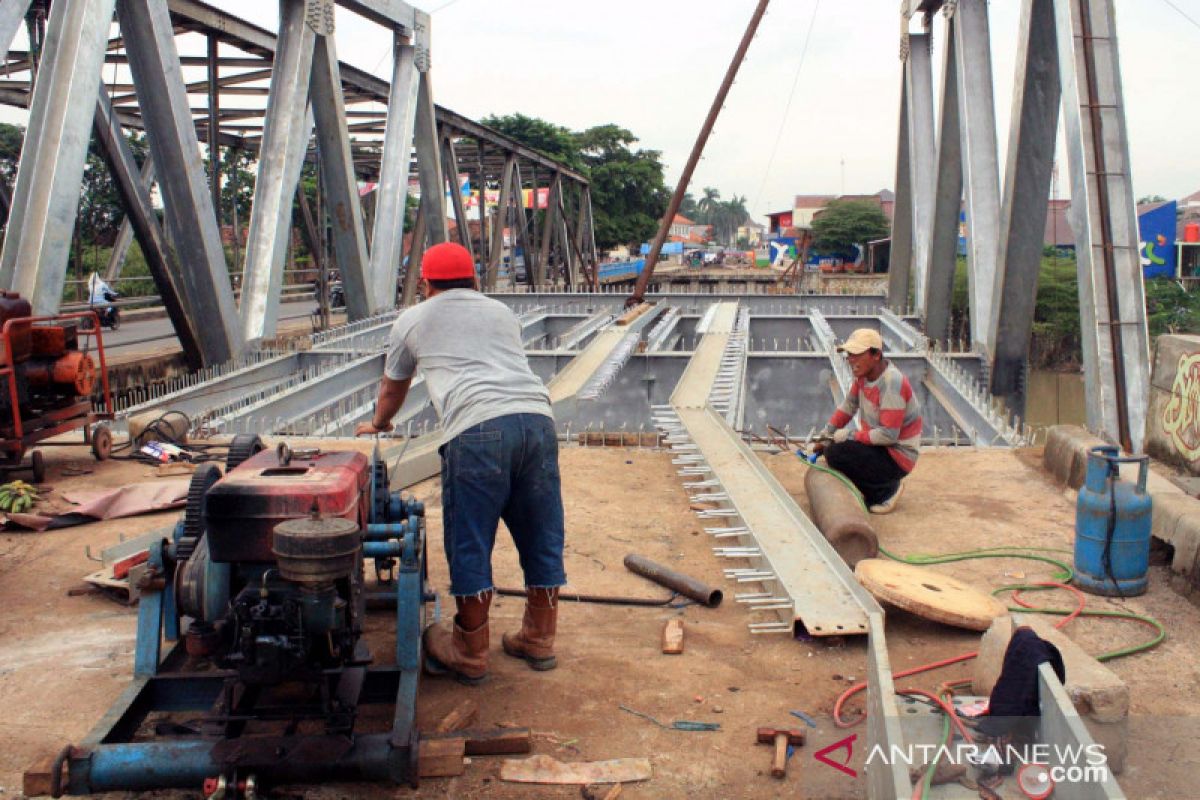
[(1100, 697), (1172, 424), (1066, 452)]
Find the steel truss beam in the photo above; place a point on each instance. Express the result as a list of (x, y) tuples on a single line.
[(919, 74), (190, 216), (133, 186), (46, 195), (1029, 172), (981, 172), (943, 248), (1116, 350)]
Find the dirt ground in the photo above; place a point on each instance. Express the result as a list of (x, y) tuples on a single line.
[(64, 659)]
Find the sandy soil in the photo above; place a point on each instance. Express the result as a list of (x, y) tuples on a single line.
[(64, 659)]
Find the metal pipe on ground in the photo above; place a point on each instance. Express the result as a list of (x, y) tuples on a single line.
[(601, 599), (665, 576), (839, 515)]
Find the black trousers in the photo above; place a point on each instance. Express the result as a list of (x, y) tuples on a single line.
[(869, 467)]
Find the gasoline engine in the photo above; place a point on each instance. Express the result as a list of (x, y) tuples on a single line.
[(47, 375), (264, 580)]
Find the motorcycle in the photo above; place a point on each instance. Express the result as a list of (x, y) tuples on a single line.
[(109, 315)]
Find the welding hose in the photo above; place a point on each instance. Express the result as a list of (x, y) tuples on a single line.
[(1065, 573)]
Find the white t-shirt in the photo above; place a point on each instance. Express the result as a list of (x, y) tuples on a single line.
[(468, 347)]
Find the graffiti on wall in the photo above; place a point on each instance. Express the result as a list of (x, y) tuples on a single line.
[(1181, 417)]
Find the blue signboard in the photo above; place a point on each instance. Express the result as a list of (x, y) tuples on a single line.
[(1157, 230), (668, 249)]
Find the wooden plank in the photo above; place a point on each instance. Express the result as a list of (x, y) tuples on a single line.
[(544, 769), (463, 715), (36, 780), (672, 637), (492, 742)]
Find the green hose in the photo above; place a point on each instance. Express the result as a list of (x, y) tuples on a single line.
[(1064, 575)]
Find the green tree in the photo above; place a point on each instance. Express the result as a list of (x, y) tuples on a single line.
[(688, 208), (707, 206), (629, 194), (100, 208), (552, 140), (11, 138), (1151, 198), (845, 223), (237, 184)]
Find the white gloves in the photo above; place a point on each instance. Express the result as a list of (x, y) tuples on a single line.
[(841, 435)]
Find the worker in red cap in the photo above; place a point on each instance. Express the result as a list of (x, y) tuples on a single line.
[(883, 450), (499, 454)]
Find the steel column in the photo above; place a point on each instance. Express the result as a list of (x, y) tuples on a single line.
[(45, 199), (286, 130), (416, 249), (387, 241), (134, 190), (1116, 350), (980, 167), (943, 249), (919, 73), (497, 251), (116, 259), (901, 253), (450, 170), (1029, 171), (193, 234), (12, 17), (214, 123), (521, 229), (429, 163), (549, 275), (338, 178)]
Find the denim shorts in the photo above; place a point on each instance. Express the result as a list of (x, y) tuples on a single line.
[(503, 469)]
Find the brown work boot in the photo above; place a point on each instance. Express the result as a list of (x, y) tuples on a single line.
[(460, 647), (535, 641)]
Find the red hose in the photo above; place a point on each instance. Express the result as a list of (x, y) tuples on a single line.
[(858, 687)]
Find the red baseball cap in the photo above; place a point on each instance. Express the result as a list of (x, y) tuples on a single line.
[(447, 261)]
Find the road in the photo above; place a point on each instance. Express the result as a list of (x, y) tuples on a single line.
[(147, 332)]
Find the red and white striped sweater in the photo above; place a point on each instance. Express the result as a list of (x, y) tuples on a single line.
[(890, 415)]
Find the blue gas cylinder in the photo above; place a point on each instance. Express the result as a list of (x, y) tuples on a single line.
[(1112, 527)]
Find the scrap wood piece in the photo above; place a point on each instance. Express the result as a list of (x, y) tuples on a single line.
[(929, 594), (463, 715), (441, 758), (544, 769), (633, 313), (672, 637)]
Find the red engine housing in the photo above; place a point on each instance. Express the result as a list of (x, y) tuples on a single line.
[(243, 508)]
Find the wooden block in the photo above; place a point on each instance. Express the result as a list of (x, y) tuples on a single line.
[(441, 758), (614, 792), (463, 715), (635, 312), (672, 637), (493, 742), (36, 780)]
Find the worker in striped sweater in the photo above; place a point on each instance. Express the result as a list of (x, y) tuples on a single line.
[(883, 451)]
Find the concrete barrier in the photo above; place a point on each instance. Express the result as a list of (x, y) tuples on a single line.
[(1066, 452), (1098, 694), (1173, 421)]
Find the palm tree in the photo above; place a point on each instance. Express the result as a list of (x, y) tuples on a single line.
[(708, 206)]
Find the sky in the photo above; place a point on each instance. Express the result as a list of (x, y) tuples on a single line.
[(820, 119), (654, 66)]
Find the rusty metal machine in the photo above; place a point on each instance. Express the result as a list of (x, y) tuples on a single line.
[(47, 376), (263, 589)]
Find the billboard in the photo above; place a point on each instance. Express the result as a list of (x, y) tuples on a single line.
[(1156, 227)]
